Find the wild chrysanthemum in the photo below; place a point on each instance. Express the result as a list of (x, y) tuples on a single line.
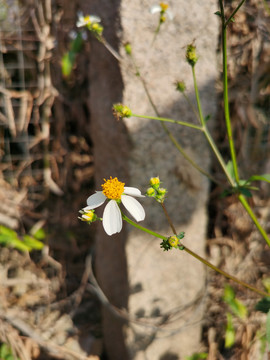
[(87, 20), (116, 192)]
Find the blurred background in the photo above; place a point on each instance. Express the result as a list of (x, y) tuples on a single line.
[(47, 172)]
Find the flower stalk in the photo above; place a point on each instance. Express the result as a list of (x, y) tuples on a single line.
[(198, 257)]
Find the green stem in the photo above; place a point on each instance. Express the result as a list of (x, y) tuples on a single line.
[(169, 120), (244, 202), (206, 132), (197, 97), (224, 273), (234, 12), (148, 231), (226, 104), (169, 133), (218, 155), (196, 256), (185, 155), (168, 218)]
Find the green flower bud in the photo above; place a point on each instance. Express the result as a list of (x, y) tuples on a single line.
[(89, 216), (191, 55), (173, 241), (180, 86), (154, 181), (150, 192), (121, 111)]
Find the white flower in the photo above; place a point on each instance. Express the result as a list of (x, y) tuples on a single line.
[(116, 193), (87, 20), (162, 9)]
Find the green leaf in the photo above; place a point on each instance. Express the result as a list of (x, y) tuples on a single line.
[(77, 43), (207, 118), (229, 294), (238, 308), (32, 243), (245, 192), (263, 305), (265, 177), (197, 356), (229, 333), (230, 170), (7, 231), (40, 234), (232, 19), (268, 327), (68, 61), (218, 13)]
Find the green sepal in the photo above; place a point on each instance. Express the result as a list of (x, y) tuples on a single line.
[(218, 13)]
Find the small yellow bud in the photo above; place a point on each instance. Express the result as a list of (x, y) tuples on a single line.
[(121, 111), (164, 6), (191, 55), (173, 241), (88, 216), (150, 192), (162, 19), (154, 181)]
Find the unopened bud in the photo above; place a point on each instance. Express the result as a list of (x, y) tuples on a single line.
[(191, 55)]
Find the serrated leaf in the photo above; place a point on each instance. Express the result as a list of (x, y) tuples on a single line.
[(263, 305), (268, 328), (265, 177)]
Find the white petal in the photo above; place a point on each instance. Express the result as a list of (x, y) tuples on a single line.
[(133, 207), (154, 9), (132, 191), (96, 200), (95, 19), (112, 218), (80, 23), (170, 14)]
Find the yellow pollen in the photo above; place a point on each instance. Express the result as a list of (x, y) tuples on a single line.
[(87, 19), (113, 188), (164, 6)]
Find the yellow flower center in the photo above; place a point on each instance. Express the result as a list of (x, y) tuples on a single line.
[(113, 188), (87, 19), (164, 6)]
